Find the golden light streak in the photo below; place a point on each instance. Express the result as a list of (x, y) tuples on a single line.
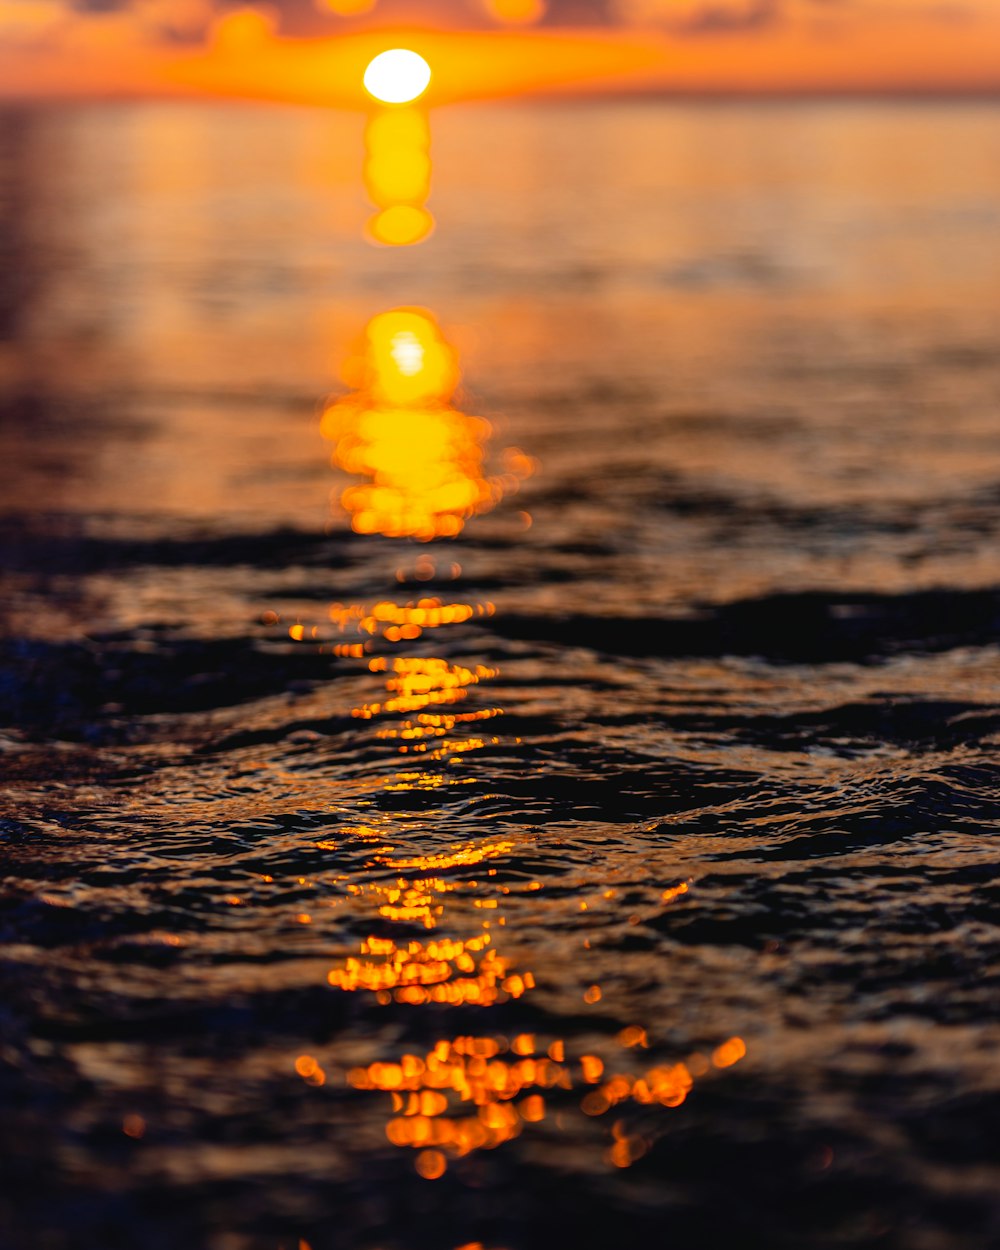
[(398, 175)]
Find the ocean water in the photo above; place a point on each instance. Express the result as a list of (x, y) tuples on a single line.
[(605, 854)]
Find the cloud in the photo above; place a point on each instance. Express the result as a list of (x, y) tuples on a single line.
[(698, 16), (25, 22), (37, 25), (694, 17)]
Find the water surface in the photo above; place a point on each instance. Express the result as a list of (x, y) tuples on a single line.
[(617, 867)]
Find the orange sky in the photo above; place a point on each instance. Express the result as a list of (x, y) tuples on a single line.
[(685, 46)]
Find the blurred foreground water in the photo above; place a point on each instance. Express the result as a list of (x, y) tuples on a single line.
[(619, 869)]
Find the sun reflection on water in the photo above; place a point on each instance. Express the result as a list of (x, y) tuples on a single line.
[(423, 458), (449, 970), (398, 175), (435, 916), (415, 682), (469, 1093)]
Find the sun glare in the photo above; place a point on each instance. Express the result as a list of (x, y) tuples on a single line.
[(423, 458), (397, 76)]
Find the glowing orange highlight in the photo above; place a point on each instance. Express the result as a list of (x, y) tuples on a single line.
[(431, 1164), (633, 1036), (475, 1093), (242, 31), (397, 169), (516, 12), (310, 1070), (729, 1053), (626, 1150), (423, 457), (409, 363), (444, 971), (400, 620), (415, 683), (592, 1068), (398, 176), (346, 8), (401, 226)]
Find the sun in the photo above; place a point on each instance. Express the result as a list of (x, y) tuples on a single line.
[(397, 76)]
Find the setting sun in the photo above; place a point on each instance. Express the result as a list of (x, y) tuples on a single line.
[(397, 76)]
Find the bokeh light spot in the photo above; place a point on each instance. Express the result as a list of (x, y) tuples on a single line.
[(244, 30), (431, 1164), (401, 225), (516, 12), (346, 8)]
